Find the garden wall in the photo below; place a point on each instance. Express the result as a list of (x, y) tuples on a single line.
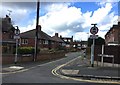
[(9, 58)]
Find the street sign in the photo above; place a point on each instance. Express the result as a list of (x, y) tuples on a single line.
[(16, 37), (94, 30), (93, 36)]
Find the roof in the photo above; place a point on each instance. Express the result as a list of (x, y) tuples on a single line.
[(32, 33), (57, 39), (114, 27)]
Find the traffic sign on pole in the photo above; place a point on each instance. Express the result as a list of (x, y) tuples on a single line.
[(94, 30)]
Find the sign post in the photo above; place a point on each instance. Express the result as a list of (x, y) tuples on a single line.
[(16, 36), (94, 31)]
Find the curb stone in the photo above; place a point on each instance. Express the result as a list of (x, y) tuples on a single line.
[(90, 77)]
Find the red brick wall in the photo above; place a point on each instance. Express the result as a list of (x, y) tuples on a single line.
[(108, 50), (31, 43), (9, 59)]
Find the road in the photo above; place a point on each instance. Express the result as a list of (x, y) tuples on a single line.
[(43, 74)]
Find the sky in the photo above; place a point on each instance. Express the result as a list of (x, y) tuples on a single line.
[(66, 18)]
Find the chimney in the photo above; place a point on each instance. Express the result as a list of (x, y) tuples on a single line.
[(119, 23), (72, 37), (56, 34), (39, 27), (8, 18), (60, 36)]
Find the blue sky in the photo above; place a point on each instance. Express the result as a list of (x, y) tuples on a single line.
[(66, 18)]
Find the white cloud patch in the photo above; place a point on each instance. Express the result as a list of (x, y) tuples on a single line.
[(81, 36), (17, 15), (68, 21)]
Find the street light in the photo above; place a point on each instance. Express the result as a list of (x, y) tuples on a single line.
[(16, 36)]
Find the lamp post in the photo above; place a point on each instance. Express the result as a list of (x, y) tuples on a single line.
[(16, 36)]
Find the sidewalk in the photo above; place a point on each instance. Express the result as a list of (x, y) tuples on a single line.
[(81, 68), (20, 66)]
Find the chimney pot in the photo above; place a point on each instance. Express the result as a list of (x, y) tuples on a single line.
[(56, 34), (39, 27)]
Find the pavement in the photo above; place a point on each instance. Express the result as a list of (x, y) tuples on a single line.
[(81, 68), (13, 68)]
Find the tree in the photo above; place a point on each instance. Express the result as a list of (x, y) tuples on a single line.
[(99, 41)]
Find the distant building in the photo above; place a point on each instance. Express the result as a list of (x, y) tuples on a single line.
[(112, 37), (58, 41), (84, 44), (77, 44), (68, 41)]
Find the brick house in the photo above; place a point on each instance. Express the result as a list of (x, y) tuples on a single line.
[(58, 41), (27, 39), (77, 44), (112, 37), (68, 41), (8, 41)]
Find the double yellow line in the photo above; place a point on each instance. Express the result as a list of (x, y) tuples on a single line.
[(54, 72)]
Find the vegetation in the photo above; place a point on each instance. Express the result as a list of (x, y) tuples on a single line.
[(25, 50)]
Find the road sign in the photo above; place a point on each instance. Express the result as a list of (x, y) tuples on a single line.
[(94, 30), (16, 37), (93, 36)]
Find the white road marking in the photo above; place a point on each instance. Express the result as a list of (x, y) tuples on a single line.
[(32, 67)]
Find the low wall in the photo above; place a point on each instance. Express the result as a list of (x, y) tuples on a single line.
[(9, 59), (108, 50)]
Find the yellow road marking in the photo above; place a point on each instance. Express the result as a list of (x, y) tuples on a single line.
[(54, 72)]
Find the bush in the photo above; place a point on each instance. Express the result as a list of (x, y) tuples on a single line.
[(25, 50)]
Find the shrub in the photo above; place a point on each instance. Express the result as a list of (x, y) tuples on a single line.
[(25, 50)]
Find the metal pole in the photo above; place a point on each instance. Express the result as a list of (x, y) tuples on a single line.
[(36, 36), (16, 51), (92, 56)]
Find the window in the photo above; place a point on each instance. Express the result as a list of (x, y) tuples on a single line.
[(24, 41), (69, 40), (45, 42), (65, 40)]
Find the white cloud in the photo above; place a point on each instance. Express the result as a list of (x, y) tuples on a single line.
[(68, 21), (16, 14), (81, 36), (101, 13), (119, 18)]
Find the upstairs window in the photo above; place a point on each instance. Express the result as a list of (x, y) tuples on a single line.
[(45, 42), (24, 41)]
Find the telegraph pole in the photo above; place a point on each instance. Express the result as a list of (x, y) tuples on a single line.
[(36, 34)]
